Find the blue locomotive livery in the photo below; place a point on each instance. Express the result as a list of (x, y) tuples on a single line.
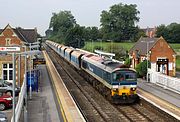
[(118, 81)]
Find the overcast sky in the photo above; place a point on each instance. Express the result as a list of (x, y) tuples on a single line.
[(37, 13)]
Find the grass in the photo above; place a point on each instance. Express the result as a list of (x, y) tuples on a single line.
[(176, 47), (178, 63), (89, 46)]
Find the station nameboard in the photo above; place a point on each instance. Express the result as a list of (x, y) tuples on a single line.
[(9, 48)]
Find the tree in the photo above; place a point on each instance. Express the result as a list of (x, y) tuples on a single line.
[(139, 34), (94, 32), (74, 37), (162, 31), (91, 33), (174, 32), (48, 32), (86, 33), (119, 22), (61, 23), (171, 32)]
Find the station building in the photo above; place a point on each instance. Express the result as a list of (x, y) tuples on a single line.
[(160, 54), (14, 40)]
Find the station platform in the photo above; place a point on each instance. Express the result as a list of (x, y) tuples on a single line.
[(167, 100), (70, 111), (43, 106)]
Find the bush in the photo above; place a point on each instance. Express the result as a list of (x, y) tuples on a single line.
[(141, 68), (128, 62)]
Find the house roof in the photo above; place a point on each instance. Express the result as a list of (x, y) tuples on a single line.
[(26, 35), (141, 45)]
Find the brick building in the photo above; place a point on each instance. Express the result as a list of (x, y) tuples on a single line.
[(14, 40), (150, 32), (160, 54)]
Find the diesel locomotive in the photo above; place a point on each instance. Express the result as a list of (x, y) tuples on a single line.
[(116, 80)]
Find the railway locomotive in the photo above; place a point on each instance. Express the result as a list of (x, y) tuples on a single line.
[(117, 81)]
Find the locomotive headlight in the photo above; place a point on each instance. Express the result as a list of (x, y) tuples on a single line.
[(115, 86), (115, 90), (133, 89)]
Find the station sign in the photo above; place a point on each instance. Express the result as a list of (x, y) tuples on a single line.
[(9, 49)]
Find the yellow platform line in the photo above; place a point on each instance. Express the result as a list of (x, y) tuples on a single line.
[(54, 82), (64, 99)]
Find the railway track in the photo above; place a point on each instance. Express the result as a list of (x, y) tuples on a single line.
[(92, 104)]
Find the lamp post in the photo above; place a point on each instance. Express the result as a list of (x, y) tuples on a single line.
[(31, 45), (19, 70), (25, 99), (147, 53), (14, 81), (30, 87)]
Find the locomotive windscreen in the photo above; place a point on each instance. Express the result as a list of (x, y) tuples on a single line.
[(124, 76)]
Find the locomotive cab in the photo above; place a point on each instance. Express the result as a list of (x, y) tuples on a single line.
[(124, 86)]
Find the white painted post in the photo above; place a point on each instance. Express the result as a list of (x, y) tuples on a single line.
[(14, 83)]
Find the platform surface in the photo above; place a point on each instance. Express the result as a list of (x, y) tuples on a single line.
[(160, 92), (42, 106), (164, 99), (69, 109)]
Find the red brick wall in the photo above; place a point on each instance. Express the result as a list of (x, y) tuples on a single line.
[(9, 33), (162, 49)]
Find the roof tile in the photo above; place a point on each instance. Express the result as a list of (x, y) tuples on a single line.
[(141, 45)]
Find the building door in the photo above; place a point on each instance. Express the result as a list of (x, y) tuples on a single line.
[(7, 72), (162, 66)]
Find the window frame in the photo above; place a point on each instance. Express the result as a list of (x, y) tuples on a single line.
[(8, 69)]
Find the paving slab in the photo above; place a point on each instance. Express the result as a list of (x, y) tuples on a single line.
[(160, 92), (43, 106)]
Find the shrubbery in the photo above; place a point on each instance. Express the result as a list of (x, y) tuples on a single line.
[(127, 62), (141, 68)]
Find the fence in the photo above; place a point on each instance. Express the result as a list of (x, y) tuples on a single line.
[(165, 81), (20, 102)]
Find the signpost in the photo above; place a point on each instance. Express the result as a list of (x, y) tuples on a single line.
[(9, 49)]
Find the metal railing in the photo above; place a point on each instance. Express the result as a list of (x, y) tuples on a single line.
[(20, 102), (165, 81)]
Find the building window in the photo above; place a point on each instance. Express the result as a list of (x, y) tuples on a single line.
[(7, 72), (10, 65), (4, 65)]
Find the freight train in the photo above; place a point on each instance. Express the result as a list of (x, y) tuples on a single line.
[(113, 78)]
